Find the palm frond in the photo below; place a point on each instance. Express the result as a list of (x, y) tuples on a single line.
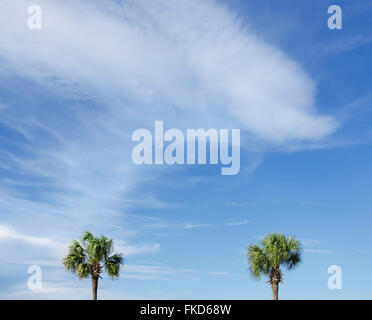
[(113, 264), (277, 250), (258, 261), (87, 257), (76, 256)]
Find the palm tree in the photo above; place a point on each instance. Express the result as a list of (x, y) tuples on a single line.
[(90, 256), (277, 250)]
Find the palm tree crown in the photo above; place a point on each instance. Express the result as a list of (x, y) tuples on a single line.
[(277, 250), (90, 256)]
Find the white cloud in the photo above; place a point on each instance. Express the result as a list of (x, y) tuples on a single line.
[(130, 250), (237, 222), (9, 234), (60, 290), (217, 273), (189, 61), (159, 223), (192, 226), (242, 204), (154, 272), (191, 56), (318, 251), (25, 244), (313, 243), (310, 242)]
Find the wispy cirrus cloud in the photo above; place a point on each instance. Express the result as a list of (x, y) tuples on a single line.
[(56, 249), (167, 51), (318, 251), (309, 244), (9, 234), (157, 223), (117, 67), (152, 58), (243, 204)]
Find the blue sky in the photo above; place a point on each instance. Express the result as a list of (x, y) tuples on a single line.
[(72, 93)]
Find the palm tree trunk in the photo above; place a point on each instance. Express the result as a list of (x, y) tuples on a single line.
[(275, 288), (94, 287)]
